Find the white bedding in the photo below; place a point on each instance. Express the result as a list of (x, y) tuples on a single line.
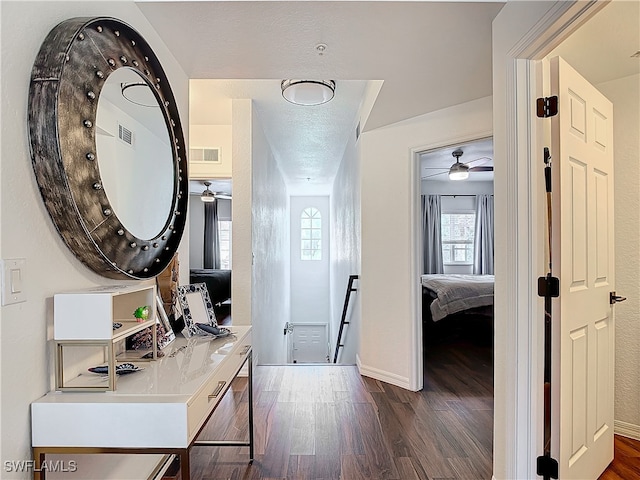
[(456, 293)]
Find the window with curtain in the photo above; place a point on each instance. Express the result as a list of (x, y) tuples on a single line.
[(310, 234), (224, 237), (458, 232)]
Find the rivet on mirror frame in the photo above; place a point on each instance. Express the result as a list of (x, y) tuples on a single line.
[(164, 237), (88, 123), (67, 58), (123, 59), (155, 245), (133, 43), (91, 95), (90, 156), (146, 72), (133, 244), (146, 59), (166, 248), (157, 260), (99, 28), (120, 232), (99, 74), (135, 63), (130, 271), (81, 36), (116, 33), (111, 62), (97, 186), (107, 211), (145, 248), (145, 269)]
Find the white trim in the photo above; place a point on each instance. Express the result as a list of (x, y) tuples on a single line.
[(416, 372), (626, 429), (383, 376)]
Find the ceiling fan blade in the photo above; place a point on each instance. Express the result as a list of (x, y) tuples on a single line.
[(478, 159), (222, 196), (482, 168), (434, 174)]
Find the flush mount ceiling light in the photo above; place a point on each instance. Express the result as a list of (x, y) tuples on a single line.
[(308, 92), (208, 195), (138, 93), (458, 171)]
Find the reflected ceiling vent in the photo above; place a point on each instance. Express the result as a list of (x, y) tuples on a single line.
[(125, 134)]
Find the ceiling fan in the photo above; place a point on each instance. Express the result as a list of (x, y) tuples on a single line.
[(210, 196), (460, 171)]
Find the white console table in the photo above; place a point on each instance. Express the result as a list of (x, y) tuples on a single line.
[(158, 410)]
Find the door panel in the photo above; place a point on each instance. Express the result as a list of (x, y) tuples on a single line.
[(309, 343), (582, 138)]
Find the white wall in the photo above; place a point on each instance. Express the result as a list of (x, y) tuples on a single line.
[(345, 252), (26, 228), (625, 95), (242, 249), (309, 278), (270, 231), (212, 136), (387, 288)]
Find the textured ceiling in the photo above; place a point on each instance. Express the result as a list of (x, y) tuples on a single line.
[(429, 56)]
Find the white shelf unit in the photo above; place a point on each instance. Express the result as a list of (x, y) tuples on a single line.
[(84, 319)]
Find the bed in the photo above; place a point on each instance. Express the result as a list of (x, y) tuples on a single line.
[(445, 295), (218, 282)]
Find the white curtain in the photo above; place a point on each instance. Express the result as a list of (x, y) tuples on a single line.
[(431, 238), (483, 256)]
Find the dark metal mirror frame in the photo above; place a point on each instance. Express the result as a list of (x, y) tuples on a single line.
[(69, 72)]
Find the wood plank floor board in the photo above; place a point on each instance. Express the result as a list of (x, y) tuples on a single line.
[(303, 430), (327, 430)]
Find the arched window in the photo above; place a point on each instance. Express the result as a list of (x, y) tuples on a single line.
[(310, 234)]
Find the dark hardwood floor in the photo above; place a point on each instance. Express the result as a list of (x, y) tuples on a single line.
[(327, 422)]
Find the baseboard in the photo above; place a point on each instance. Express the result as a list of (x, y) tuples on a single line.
[(383, 376), (626, 429)]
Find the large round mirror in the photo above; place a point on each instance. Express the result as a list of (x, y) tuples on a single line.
[(107, 147), (134, 153)]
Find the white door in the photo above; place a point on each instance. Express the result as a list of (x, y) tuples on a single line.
[(582, 150), (309, 343)]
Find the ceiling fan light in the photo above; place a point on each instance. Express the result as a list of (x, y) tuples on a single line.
[(207, 196), (308, 92), (459, 171)]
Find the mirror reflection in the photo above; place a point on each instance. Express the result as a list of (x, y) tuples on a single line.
[(134, 154)]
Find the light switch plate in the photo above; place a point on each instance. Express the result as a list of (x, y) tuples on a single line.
[(13, 282)]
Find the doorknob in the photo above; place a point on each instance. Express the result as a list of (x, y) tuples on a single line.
[(613, 298)]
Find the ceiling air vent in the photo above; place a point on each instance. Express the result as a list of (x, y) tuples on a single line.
[(125, 134)]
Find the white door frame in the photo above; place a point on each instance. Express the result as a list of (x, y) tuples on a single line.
[(417, 371), (520, 230), (519, 236)]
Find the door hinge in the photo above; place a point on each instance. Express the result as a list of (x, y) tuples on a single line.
[(547, 106)]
